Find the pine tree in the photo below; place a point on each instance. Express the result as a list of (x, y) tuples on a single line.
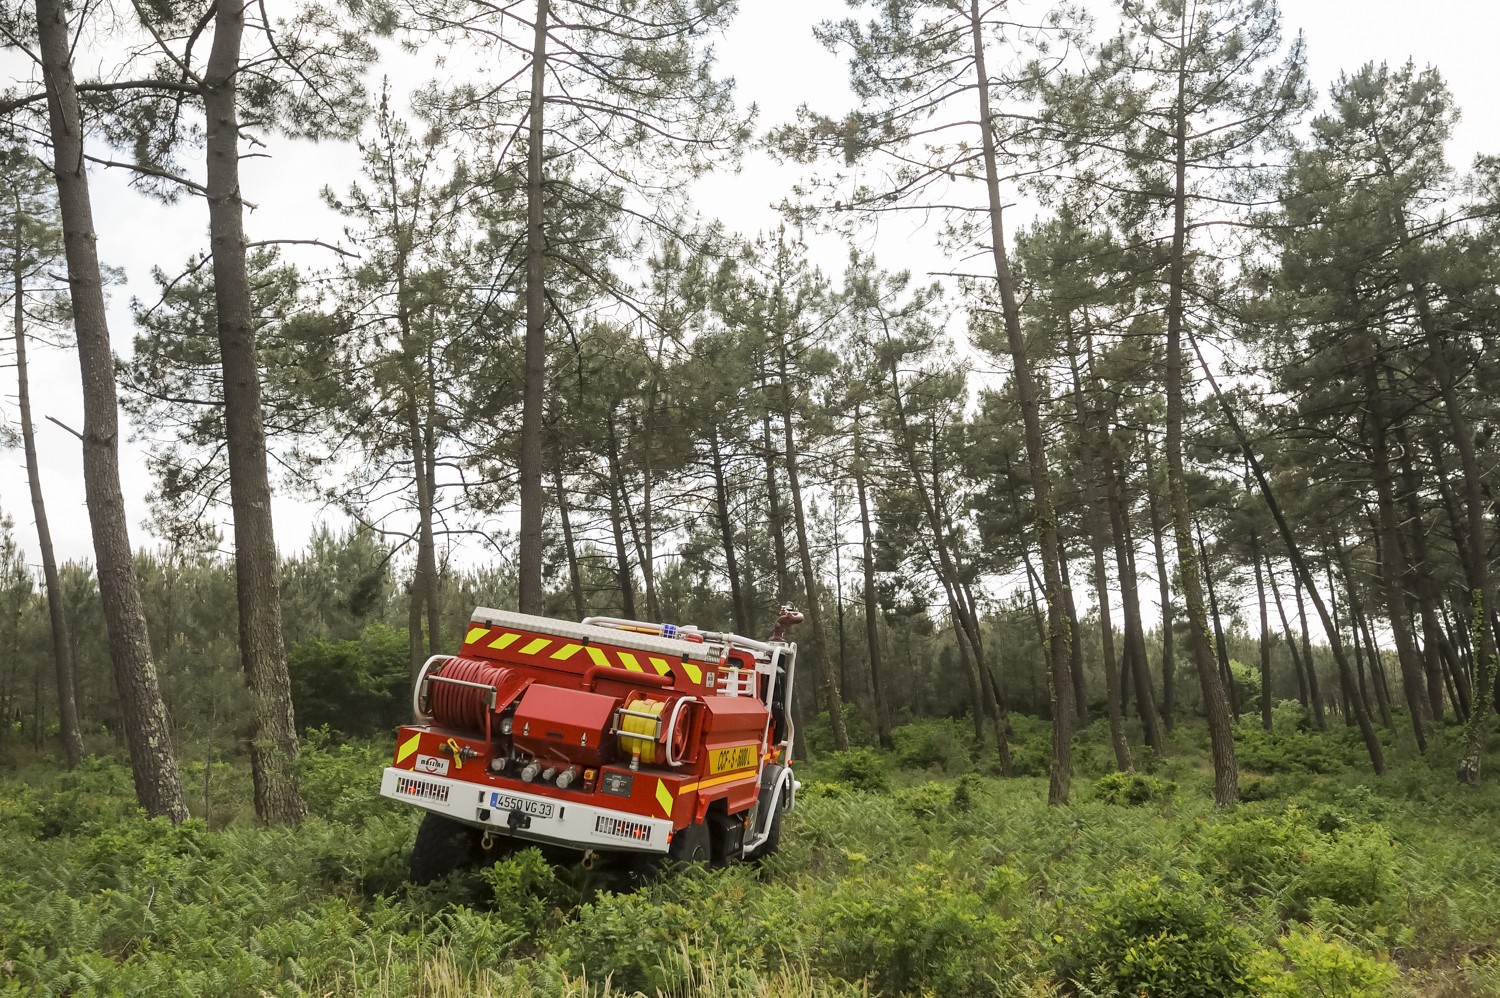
[(32, 242)]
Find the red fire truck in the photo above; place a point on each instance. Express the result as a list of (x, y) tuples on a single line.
[(606, 737)]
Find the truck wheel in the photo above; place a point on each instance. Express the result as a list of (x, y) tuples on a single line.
[(691, 845), (442, 846), (773, 839)]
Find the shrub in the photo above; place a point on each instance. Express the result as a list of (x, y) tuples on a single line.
[(1133, 788), (1257, 853), (1147, 935), (1356, 868), (1314, 966), (860, 769), (909, 930), (653, 939), (946, 744), (1279, 751), (522, 885), (927, 800)]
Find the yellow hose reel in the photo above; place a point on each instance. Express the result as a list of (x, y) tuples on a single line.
[(641, 729)]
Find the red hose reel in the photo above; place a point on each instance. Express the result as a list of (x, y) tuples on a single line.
[(459, 691)]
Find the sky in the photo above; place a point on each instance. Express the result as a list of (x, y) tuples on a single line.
[(777, 64)]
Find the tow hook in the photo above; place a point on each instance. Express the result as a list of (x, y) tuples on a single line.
[(590, 857), (488, 842)]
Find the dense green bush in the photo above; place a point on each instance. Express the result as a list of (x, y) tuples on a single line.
[(1312, 965), (1256, 853), (1143, 934), (861, 769), (944, 744), (1133, 788), (354, 687), (934, 933)]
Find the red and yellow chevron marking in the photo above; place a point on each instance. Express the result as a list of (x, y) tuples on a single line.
[(545, 650), (407, 749)]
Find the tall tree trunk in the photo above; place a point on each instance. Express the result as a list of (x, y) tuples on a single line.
[(1135, 629), (1075, 648), (1291, 642), (424, 577), (533, 393), (1059, 635), (153, 758), (273, 728), (822, 673), (1221, 647), (776, 515), (1111, 668), (1314, 684), (617, 524), (1221, 735), (1437, 652), (1480, 579), (1092, 426), (947, 569), (1299, 564), (1265, 634), (1358, 688), (1392, 562), (62, 645), (1164, 586), (867, 559), (570, 548), (726, 536), (971, 673)]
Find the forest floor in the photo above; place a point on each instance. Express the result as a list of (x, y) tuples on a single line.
[(912, 872)]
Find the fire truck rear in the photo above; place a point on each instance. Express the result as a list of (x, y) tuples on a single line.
[(603, 737)]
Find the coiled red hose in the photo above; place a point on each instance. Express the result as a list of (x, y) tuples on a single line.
[(455, 706)]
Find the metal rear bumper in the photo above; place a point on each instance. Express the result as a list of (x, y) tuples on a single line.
[(570, 824)]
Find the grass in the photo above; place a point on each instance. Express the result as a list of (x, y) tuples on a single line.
[(910, 873)]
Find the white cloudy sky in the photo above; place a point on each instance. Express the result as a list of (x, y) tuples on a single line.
[(778, 65)]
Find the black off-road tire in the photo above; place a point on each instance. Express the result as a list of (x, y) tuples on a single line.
[(691, 845), (443, 846), (773, 840)]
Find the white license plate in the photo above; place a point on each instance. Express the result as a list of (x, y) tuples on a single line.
[(535, 808)]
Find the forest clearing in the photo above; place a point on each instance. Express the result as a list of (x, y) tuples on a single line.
[(910, 872), (1117, 400)]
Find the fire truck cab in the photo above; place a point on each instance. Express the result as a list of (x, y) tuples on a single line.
[(603, 737)]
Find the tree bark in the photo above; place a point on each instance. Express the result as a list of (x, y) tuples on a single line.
[(822, 673), (1481, 581), (1299, 565), (1221, 735), (273, 728), (1135, 630), (1437, 652), (1221, 647), (1314, 684), (867, 559), (726, 536), (1059, 635), (617, 524), (62, 645), (1265, 634), (533, 394), (153, 758), (1091, 426), (575, 577), (1168, 638), (1392, 562), (1291, 642), (1111, 666)]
